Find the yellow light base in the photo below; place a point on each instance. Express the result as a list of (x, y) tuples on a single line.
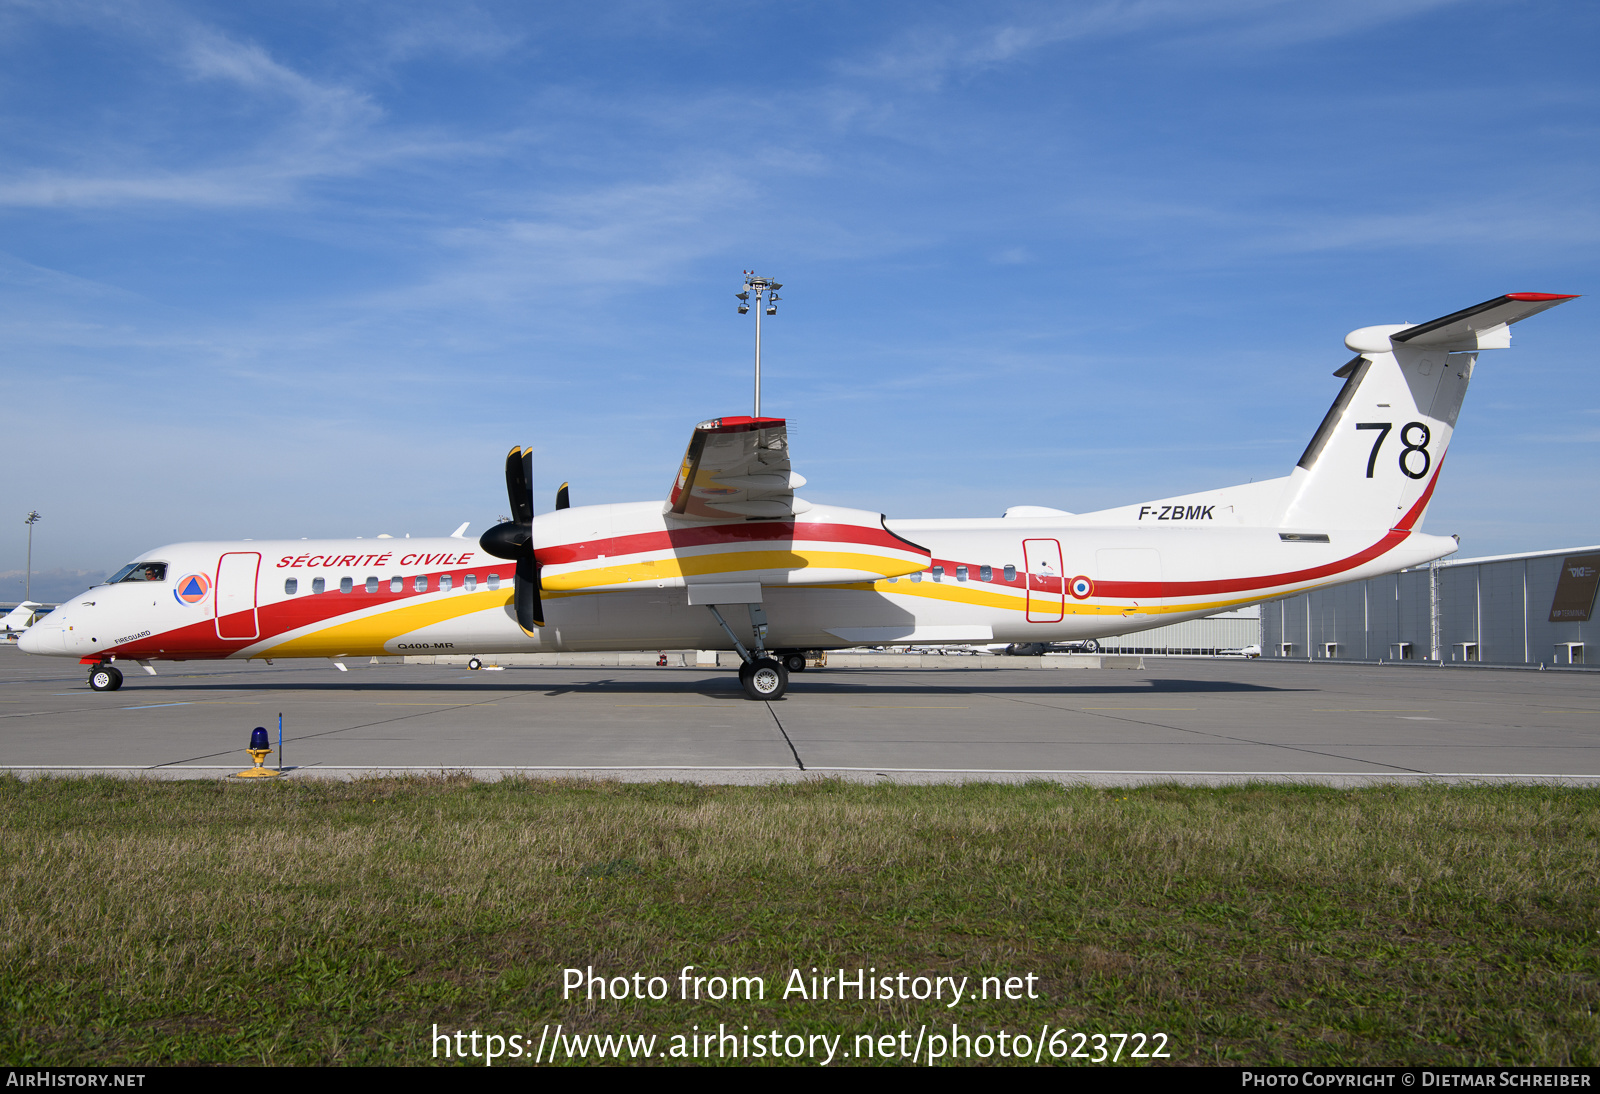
[(259, 755)]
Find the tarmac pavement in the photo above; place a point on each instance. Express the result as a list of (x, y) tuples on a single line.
[(1188, 720)]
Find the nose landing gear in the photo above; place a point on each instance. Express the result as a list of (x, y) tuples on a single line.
[(105, 678)]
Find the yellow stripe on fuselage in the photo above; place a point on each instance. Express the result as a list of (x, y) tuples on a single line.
[(1017, 601), (368, 634), (726, 563)]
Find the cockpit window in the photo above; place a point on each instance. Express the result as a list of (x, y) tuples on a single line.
[(140, 571)]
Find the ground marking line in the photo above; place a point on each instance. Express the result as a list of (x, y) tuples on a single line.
[(822, 770), (343, 729), (80, 710), (1216, 736)]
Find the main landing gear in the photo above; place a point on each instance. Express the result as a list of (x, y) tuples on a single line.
[(105, 678), (763, 677)]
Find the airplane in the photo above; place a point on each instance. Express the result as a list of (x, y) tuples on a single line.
[(18, 619), (734, 559)]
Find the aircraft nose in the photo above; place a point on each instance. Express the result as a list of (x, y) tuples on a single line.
[(42, 639)]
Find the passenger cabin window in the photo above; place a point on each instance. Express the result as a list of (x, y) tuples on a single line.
[(345, 584), (444, 583), (961, 573), (1011, 572), (291, 586), (372, 584), (916, 576), (985, 573), (140, 571), (938, 573), (494, 581), (421, 583), (469, 582), (319, 585), (397, 584)]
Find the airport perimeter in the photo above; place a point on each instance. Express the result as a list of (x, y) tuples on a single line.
[(1112, 721)]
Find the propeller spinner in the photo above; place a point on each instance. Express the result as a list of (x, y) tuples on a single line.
[(513, 540)]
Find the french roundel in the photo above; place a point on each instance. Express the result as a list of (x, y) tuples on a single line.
[(192, 588), (1081, 587)]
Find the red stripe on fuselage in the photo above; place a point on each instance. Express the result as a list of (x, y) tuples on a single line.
[(199, 641), (1136, 590)]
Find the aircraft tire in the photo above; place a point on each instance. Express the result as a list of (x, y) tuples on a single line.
[(1091, 646), (764, 679), (105, 678), (795, 662), (474, 664)]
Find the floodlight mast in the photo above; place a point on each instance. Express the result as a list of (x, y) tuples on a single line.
[(27, 585), (759, 286)]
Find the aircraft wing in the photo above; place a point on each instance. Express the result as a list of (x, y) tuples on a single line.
[(736, 467)]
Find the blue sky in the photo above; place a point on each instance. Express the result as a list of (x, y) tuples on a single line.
[(306, 269)]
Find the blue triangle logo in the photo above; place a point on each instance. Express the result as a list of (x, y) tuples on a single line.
[(192, 588)]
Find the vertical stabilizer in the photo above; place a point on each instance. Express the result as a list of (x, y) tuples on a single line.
[(1374, 460)]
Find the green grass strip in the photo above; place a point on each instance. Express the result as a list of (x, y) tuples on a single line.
[(305, 922)]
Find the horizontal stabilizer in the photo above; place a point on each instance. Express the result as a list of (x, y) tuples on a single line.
[(1482, 326)]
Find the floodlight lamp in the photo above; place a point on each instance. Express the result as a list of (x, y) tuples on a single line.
[(742, 295), (772, 309), (744, 309)]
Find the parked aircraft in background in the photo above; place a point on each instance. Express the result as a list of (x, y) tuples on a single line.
[(19, 619), (734, 559)]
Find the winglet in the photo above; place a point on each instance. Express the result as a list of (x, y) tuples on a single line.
[(461, 532)]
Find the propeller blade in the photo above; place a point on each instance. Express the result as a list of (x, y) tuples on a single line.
[(529, 605), (519, 484), (562, 500)]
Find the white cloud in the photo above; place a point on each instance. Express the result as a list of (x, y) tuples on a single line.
[(290, 128), (927, 56), (328, 108)]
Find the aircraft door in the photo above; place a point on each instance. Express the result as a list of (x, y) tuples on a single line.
[(1047, 593), (234, 597)]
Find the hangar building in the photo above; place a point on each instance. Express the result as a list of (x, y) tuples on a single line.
[(1528, 609), (1225, 632)]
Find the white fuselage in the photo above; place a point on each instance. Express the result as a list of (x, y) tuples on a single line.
[(979, 581)]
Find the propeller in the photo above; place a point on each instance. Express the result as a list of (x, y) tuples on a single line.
[(513, 539), (562, 500)]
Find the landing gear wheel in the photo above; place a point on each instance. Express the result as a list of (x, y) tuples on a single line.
[(105, 678), (474, 664), (1091, 646), (764, 679), (795, 662)]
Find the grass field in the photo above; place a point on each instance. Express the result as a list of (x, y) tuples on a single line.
[(328, 922)]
